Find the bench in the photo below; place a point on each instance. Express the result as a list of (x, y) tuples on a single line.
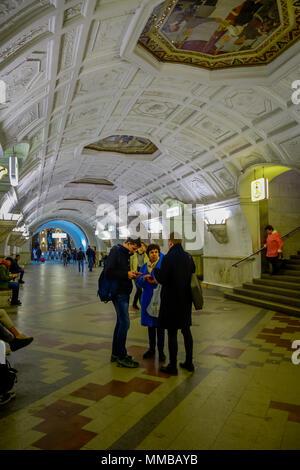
[(5, 296)]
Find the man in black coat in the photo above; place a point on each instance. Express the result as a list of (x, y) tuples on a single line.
[(117, 268), (175, 312)]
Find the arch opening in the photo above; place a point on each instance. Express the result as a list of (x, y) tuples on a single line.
[(78, 236)]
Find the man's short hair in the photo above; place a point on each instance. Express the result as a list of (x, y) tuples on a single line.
[(151, 247), (269, 227), (175, 238), (134, 241)]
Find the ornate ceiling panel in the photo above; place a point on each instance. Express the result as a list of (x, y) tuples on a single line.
[(76, 74), (216, 34)]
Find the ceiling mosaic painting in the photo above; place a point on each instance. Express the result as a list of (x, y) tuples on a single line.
[(217, 34), (128, 144)]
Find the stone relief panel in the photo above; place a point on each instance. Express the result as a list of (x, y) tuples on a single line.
[(108, 79), (200, 188), (23, 78), (107, 34), (248, 102), (67, 50), (225, 180), (213, 129), (291, 149), (22, 125), (153, 109), (183, 145), (19, 43), (73, 13)]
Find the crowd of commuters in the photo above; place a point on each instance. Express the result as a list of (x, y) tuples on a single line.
[(11, 276)]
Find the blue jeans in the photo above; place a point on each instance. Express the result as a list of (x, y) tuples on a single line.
[(90, 261), (80, 263), (14, 286), (121, 304)]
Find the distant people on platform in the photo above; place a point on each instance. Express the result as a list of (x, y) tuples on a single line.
[(10, 334), (81, 259), (175, 313), (274, 245), (15, 268), (137, 260), (65, 257), (74, 255), (90, 257), (148, 285), (118, 268), (8, 281)]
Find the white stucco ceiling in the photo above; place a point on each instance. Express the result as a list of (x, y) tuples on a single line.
[(75, 75)]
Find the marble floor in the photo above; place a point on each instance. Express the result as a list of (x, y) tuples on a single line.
[(244, 393)]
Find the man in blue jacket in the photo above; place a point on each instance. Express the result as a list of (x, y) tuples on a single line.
[(118, 269)]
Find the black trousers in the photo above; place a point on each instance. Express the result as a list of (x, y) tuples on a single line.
[(274, 260), (173, 345), (137, 296)]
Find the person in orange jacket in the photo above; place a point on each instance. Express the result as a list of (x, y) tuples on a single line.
[(274, 245)]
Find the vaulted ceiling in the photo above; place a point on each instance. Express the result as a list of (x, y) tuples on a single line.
[(76, 74)]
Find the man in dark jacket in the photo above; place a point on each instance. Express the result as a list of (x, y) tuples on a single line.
[(80, 258), (175, 313), (90, 256), (118, 269), (15, 268)]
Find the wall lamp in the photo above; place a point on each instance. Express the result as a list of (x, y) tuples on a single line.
[(219, 231)]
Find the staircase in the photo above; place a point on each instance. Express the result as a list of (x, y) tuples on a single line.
[(280, 293)]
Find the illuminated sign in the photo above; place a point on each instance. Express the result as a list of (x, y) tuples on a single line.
[(259, 189), (174, 211), (59, 235)]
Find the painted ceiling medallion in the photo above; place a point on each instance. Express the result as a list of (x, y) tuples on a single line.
[(127, 144), (217, 34)]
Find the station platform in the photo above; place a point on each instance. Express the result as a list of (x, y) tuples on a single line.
[(244, 393)]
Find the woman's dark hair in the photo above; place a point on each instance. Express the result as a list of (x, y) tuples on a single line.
[(151, 247), (269, 227)]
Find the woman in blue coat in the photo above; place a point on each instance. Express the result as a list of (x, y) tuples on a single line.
[(148, 284)]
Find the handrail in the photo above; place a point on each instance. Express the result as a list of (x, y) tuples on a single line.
[(262, 249)]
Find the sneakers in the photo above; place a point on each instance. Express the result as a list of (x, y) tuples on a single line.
[(6, 397), (21, 342), (114, 358), (170, 370), (189, 367), (127, 362), (148, 354)]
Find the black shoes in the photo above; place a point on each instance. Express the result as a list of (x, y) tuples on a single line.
[(21, 282), (170, 370), (18, 343), (16, 303), (189, 367), (149, 354)]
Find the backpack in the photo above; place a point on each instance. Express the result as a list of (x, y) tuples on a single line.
[(8, 377), (107, 288)]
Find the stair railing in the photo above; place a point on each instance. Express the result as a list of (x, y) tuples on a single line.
[(262, 249)]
